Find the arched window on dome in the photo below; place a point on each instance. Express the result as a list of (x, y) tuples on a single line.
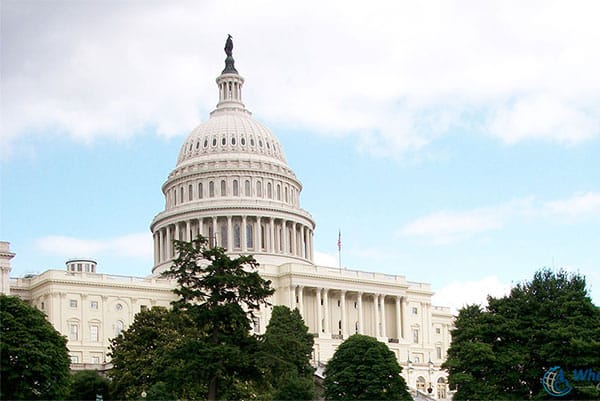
[(237, 242), (224, 239), (269, 191), (249, 238), (263, 239), (181, 194), (200, 192), (233, 140), (190, 192), (278, 192), (259, 189), (223, 188), (247, 188), (290, 245), (286, 194), (211, 189), (236, 189)]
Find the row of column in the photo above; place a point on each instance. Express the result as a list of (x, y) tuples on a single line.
[(267, 234), (322, 312)]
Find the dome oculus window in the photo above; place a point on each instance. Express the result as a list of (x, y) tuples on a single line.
[(243, 140), (251, 141), (214, 141), (260, 143), (223, 141), (233, 140), (206, 143)]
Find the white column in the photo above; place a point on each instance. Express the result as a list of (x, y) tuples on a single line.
[(319, 314), (161, 252), (404, 318), (302, 242), (201, 226), (361, 329), (168, 244), (398, 314), (312, 256), (177, 231), (300, 305), (383, 325), (272, 235), (229, 234), (377, 315), (294, 237), (326, 310), (188, 230), (244, 239), (343, 314)]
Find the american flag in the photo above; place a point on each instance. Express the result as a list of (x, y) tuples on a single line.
[(339, 240)]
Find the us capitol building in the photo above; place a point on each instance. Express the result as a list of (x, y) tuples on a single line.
[(233, 185)]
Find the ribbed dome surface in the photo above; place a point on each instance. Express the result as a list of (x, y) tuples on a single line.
[(230, 132)]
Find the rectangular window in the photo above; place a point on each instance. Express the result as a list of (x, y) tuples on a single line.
[(96, 360), (438, 351), (438, 330), (73, 303), (94, 333), (415, 336), (415, 310), (74, 359), (143, 308), (42, 306), (94, 305), (74, 332)]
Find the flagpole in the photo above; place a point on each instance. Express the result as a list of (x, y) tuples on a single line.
[(339, 244)]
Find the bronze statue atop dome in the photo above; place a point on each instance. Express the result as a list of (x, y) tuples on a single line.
[(229, 61)]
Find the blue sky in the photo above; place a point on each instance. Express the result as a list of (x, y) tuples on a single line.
[(454, 143)]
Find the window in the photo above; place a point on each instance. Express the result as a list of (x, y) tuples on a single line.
[(143, 308), (249, 239), (94, 333), (247, 188), (95, 360), (438, 351), (74, 359), (200, 194), (237, 242), (259, 189), (118, 327), (224, 238), (438, 330), (42, 306), (269, 191), (236, 190), (286, 194), (223, 188), (181, 194), (415, 336), (211, 189), (79, 267), (94, 305), (119, 307), (190, 192), (73, 331), (278, 192), (415, 310), (73, 303)]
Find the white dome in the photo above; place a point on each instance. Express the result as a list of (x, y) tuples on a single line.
[(230, 132)]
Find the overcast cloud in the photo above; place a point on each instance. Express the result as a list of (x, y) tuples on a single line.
[(396, 86)]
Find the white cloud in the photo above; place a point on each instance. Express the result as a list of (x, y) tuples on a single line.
[(393, 74), (325, 259), (458, 294), (138, 246), (451, 227)]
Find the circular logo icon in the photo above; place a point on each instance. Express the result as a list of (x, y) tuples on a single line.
[(555, 382)]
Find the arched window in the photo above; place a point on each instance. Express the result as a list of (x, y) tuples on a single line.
[(236, 190), (421, 383), (269, 191), (278, 192), (173, 194), (181, 194), (259, 189), (223, 188), (247, 188), (249, 239), (263, 239), (211, 189), (224, 238), (286, 194), (237, 242), (200, 193), (190, 192), (118, 327)]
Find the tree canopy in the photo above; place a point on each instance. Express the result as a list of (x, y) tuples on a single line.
[(87, 385), (504, 350), (285, 353), (34, 362), (364, 368), (202, 348)]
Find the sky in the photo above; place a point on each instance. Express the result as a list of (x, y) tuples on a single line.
[(452, 142)]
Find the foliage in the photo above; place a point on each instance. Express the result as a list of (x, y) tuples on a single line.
[(504, 350), (141, 353), (364, 368), (220, 295), (285, 353), (34, 362), (86, 384)]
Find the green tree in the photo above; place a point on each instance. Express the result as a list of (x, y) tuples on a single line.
[(286, 349), (87, 384), (34, 361), (504, 350), (221, 295), (364, 368), (142, 354)]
